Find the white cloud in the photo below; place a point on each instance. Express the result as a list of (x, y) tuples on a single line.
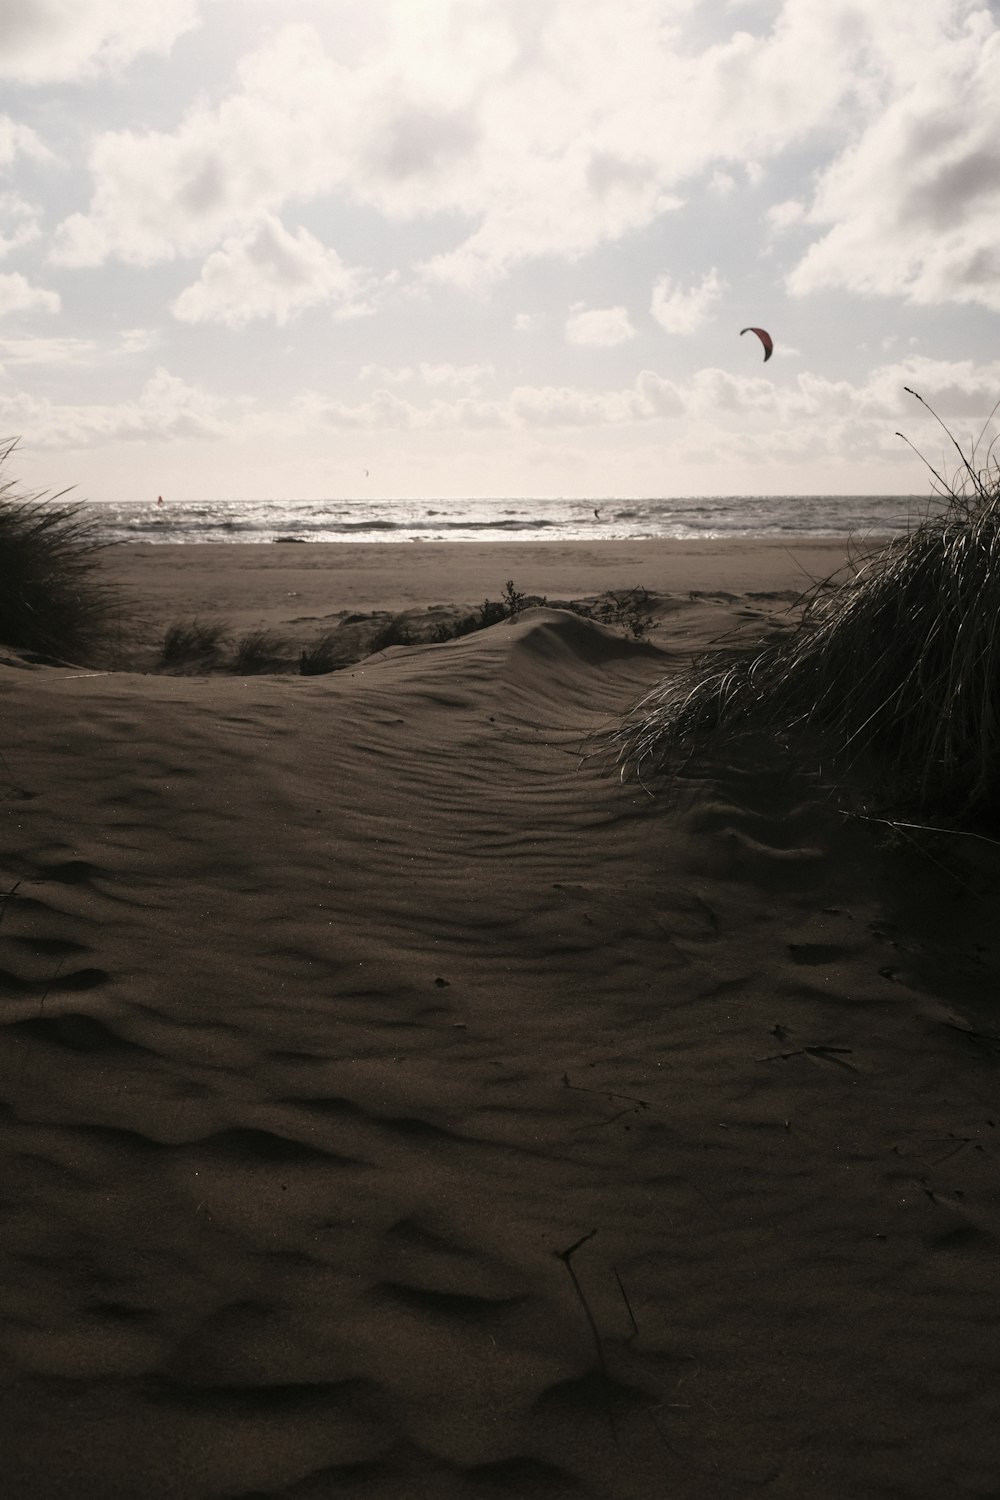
[(461, 377), (679, 311), (723, 402), (73, 351), (18, 295), (167, 409), (911, 207), (526, 406), (19, 223), (45, 41), (271, 273), (383, 411), (784, 215), (601, 327), (721, 183), (39, 351), (544, 130), (137, 340), (19, 140), (813, 420)]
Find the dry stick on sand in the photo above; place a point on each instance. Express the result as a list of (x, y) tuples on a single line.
[(7, 896), (566, 1256)]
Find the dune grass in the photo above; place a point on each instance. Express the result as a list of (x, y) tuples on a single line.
[(258, 650), (193, 640), (53, 597), (323, 656), (895, 661)]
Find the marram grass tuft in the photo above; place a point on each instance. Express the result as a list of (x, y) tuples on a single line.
[(894, 661), (53, 599)]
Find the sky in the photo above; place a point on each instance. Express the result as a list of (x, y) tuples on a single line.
[(449, 248)]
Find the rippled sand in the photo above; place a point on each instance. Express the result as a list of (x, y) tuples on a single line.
[(397, 1105)]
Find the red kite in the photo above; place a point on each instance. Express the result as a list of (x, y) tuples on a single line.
[(765, 339)]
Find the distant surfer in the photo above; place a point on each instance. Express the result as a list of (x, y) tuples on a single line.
[(597, 513), (159, 499)]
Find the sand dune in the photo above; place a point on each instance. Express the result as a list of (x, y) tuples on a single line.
[(338, 1010)]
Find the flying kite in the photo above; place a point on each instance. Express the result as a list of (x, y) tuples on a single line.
[(765, 339)]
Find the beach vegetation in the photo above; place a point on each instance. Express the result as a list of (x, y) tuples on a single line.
[(394, 632), (513, 601), (322, 656), (490, 612), (626, 610), (259, 650), (54, 599), (894, 662), (195, 640)]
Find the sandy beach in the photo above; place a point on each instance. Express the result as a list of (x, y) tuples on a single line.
[(398, 1104)]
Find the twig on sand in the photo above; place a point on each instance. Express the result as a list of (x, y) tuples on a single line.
[(581, 1088), (959, 833), (7, 896), (987, 1040), (901, 829), (635, 1327), (829, 1054), (566, 1256)]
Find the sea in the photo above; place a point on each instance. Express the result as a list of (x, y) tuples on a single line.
[(365, 520)]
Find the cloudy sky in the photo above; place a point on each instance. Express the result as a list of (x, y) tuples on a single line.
[(495, 247)]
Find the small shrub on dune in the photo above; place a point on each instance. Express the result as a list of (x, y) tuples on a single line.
[(628, 611), (394, 632), (491, 612), (258, 650), (193, 640), (322, 656), (896, 664), (53, 599)]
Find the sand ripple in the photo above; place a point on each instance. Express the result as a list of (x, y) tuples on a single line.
[(335, 1011)]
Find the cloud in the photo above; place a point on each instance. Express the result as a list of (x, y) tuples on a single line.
[(383, 411), (270, 273), (68, 350), (18, 295), (910, 208), (684, 312), (21, 221), (785, 215), (600, 327), (536, 131), (48, 41), (167, 409), (58, 351), (710, 418), (526, 406), (462, 377), (716, 404), (20, 140)]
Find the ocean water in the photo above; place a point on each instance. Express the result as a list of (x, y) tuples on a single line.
[(507, 520)]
